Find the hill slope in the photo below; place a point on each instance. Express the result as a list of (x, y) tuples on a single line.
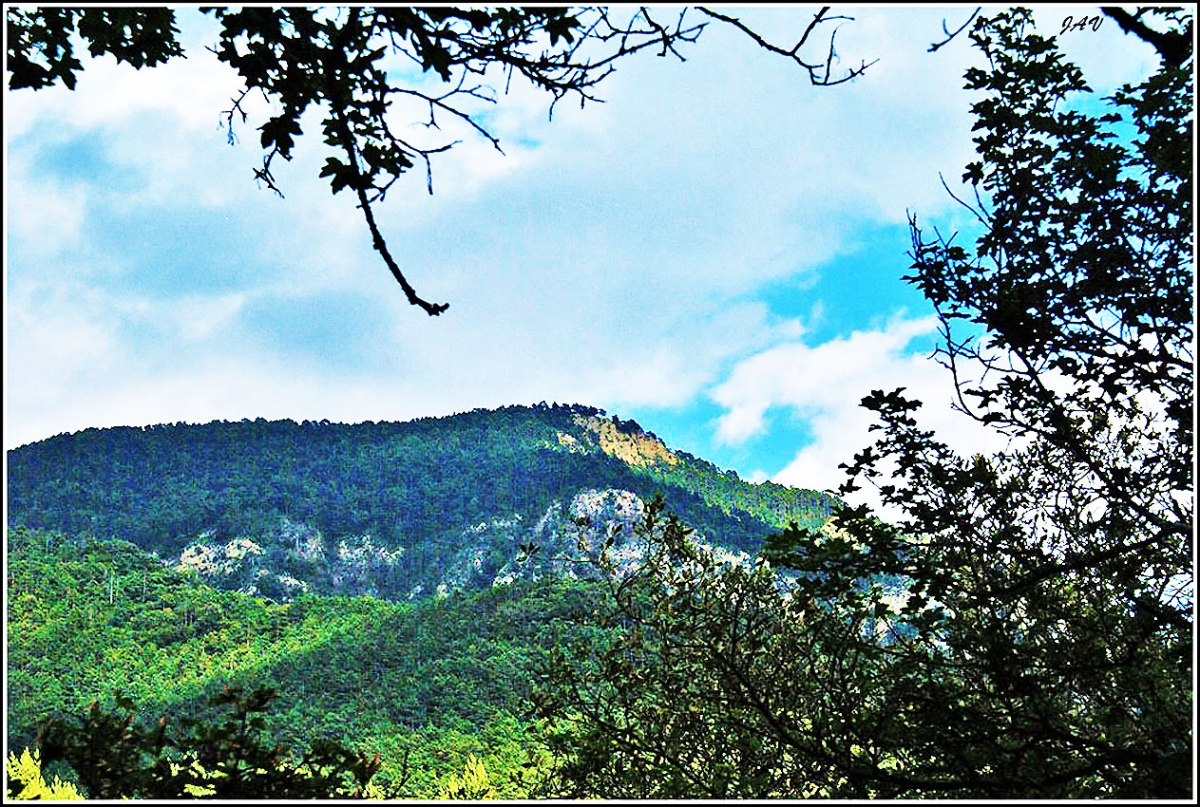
[(392, 509), (425, 683)]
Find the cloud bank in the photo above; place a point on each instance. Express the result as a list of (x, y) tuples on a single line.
[(714, 250)]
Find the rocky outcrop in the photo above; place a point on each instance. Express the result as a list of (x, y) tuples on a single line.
[(566, 540), (635, 447), (295, 560)]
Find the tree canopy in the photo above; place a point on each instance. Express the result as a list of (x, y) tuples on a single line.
[(352, 62), (114, 757), (1024, 628)]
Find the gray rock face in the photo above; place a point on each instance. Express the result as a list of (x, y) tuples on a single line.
[(566, 540)]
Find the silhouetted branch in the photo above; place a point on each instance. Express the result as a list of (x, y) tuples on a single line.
[(1174, 47), (818, 73), (950, 36)]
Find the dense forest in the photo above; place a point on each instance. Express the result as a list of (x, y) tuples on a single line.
[(402, 499), (426, 685), (165, 563)]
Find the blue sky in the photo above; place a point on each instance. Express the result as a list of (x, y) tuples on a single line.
[(715, 251)]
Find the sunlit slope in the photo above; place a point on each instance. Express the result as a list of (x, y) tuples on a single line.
[(333, 505), (430, 681)]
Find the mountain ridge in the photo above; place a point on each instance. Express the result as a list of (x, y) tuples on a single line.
[(386, 508)]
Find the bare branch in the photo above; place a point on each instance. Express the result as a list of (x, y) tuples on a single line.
[(380, 245), (814, 70), (979, 214), (950, 36)]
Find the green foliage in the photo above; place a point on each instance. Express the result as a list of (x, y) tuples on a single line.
[(1024, 630), (478, 781), (666, 704), (767, 503), (1065, 563), (106, 616), (115, 757), (406, 488), (424, 685), (26, 783), (473, 783)]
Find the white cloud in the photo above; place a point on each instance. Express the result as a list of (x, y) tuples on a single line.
[(616, 256), (199, 318), (58, 345), (823, 385), (813, 378), (50, 217)]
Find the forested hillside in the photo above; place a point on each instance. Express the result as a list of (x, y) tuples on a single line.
[(425, 685), (496, 604), (283, 508), (400, 585)]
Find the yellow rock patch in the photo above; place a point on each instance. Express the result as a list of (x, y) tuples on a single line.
[(571, 444), (635, 449)]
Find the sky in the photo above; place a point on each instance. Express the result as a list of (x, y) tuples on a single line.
[(715, 251)]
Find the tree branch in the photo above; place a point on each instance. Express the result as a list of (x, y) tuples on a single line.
[(814, 70), (1175, 48), (950, 36)]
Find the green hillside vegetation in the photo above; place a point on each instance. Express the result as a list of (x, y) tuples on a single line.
[(388, 504), (427, 685), (542, 626), (158, 566)]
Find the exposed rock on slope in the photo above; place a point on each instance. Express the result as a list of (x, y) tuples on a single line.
[(399, 510)]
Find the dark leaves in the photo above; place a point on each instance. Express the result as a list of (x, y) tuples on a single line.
[(279, 133), (228, 759), (39, 46), (1007, 634)]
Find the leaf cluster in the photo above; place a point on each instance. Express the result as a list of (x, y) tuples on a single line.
[(26, 782), (115, 757), (1023, 628), (40, 51)]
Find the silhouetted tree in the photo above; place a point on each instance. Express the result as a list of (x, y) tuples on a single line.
[(1024, 627), (114, 757)]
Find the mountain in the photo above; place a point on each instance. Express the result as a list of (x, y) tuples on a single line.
[(169, 562), (396, 510)]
